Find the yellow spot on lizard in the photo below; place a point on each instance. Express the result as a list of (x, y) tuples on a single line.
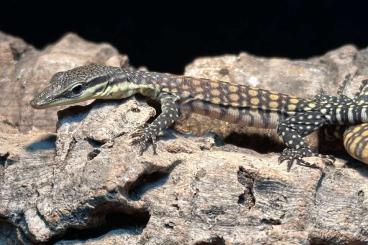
[(233, 88), (274, 104), (364, 154), (274, 97), (215, 92), (254, 101), (216, 100), (291, 107), (234, 97), (312, 105), (252, 92), (365, 133), (293, 100)]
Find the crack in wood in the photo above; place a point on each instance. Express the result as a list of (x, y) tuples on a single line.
[(150, 180), (104, 218), (246, 179), (4, 158), (212, 241)]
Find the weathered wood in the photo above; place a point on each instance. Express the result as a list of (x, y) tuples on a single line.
[(86, 185)]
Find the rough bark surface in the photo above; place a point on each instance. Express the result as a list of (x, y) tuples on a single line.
[(85, 184)]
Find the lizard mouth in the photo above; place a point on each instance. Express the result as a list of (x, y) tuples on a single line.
[(38, 104)]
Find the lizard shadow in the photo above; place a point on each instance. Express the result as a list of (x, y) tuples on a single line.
[(361, 168), (150, 180), (46, 143), (258, 142)]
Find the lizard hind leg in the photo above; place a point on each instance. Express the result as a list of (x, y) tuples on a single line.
[(292, 130), (296, 147)]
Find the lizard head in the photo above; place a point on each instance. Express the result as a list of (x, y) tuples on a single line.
[(75, 85)]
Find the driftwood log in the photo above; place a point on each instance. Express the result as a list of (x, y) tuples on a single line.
[(68, 175)]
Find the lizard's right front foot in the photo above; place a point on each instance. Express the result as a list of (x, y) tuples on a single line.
[(143, 138)]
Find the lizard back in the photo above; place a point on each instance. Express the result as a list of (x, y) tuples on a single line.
[(222, 93)]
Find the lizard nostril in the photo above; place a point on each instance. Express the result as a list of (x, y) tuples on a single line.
[(34, 103)]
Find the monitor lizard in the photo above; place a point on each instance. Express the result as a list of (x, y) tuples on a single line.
[(293, 117)]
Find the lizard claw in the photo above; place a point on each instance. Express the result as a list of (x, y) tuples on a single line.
[(291, 156), (143, 139)]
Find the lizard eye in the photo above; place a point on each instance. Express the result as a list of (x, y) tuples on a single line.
[(76, 90)]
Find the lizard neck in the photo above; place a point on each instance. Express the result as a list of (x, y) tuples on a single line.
[(123, 84)]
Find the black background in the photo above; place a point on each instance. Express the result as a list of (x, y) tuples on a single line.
[(167, 36)]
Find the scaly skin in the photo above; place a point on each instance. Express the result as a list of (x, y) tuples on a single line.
[(355, 138), (356, 142), (293, 117)]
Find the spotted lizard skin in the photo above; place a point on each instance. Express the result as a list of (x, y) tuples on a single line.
[(356, 142), (293, 117), (355, 138)]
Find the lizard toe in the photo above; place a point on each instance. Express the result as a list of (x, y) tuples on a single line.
[(143, 138), (293, 156)]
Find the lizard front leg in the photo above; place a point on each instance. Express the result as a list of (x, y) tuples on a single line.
[(292, 130), (169, 114)]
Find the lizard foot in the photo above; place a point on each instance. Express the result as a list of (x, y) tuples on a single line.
[(143, 139), (292, 156)]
